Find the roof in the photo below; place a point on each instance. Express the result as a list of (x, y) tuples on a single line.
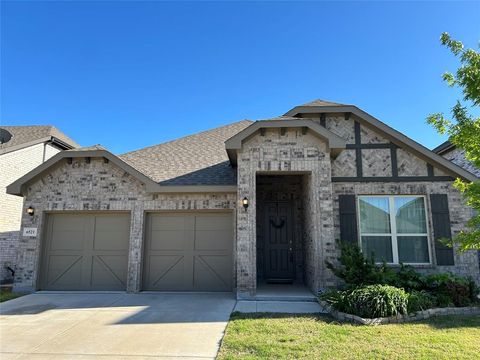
[(199, 162), (233, 144), (198, 159), (320, 102), (19, 137), (393, 135), (443, 148)]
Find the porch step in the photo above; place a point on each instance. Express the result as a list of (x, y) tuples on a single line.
[(285, 307), (286, 297)]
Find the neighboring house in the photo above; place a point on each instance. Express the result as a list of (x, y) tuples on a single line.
[(233, 208), (22, 148), (457, 156)]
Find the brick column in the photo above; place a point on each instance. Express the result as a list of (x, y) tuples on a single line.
[(135, 252)]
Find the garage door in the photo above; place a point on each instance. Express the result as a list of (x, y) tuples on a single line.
[(86, 252), (188, 252)]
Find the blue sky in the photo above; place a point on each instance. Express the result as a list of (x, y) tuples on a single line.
[(133, 74)]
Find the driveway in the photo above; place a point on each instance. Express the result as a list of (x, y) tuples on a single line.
[(114, 325)]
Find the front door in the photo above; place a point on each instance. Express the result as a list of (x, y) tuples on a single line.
[(279, 266)]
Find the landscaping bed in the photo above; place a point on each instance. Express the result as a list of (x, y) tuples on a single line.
[(377, 294)]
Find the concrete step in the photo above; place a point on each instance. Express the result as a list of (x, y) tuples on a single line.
[(285, 307), (286, 297)]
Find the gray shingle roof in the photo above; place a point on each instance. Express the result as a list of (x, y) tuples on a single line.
[(320, 102), (199, 159), (23, 135)]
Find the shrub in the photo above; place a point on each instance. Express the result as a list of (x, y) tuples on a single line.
[(355, 269), (420, 300), (407, 278), (370, 301), (451, 289)]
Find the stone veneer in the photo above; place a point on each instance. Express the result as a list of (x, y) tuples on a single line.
[(100, 186)]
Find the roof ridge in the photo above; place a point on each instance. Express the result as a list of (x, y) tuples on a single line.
[(186, 137)]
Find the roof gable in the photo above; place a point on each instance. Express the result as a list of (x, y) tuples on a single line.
[(393, 135), (18, 187), (233, 144)]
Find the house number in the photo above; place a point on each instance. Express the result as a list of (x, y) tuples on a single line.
[(29, 231)]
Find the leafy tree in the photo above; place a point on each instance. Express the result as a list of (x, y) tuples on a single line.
[(464, 130)]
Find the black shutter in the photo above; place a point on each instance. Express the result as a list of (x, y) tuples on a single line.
[(348, 219), (441, 228)]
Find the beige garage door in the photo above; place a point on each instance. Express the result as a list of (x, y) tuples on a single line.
[(86, 252), (188, 252)]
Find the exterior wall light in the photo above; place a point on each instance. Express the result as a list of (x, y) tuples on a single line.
[(30, 211), (245, 203)]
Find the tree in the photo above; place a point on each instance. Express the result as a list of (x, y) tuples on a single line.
[(464, 131)]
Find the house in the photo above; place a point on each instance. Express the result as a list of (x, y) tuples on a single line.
[(22, 148), (457, 156), (240, 206)]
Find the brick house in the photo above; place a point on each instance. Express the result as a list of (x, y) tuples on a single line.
[(241, 206), (22, 148)]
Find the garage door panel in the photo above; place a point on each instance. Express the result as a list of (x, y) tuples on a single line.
[(166, 272), (169, 239), (108, 272), (213, 222), (64, 271), (189, 252), (213, 240), (212, 273), (86, 252), (172, 223), (68, 233), (111, 233)]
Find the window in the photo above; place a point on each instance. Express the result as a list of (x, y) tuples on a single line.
[(394, 229)]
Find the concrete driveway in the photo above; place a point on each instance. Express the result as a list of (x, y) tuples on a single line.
[(113, 325)]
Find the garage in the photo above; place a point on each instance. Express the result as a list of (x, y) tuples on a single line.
[(188, 252), (85, 251)]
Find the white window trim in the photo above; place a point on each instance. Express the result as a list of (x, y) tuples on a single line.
[(393, 228)]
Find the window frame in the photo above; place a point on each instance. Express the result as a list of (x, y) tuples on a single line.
[(393, 228)]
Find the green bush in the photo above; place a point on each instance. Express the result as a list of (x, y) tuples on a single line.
[(369, 301), (451, 290), (420, 300), (355, 269), (407, 278)]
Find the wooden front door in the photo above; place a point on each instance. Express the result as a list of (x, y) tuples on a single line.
[(279, 265)]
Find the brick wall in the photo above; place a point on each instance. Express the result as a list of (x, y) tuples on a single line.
[(14, 165)]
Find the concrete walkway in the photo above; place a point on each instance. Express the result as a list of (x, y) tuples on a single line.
[(113, 326)]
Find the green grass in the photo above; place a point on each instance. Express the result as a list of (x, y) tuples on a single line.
[(283, 336), (7, 295)]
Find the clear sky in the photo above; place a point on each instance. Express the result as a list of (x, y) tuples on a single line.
[(133, 74)]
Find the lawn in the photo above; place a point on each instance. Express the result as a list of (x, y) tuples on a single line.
[(282, 336), (7, 295)]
